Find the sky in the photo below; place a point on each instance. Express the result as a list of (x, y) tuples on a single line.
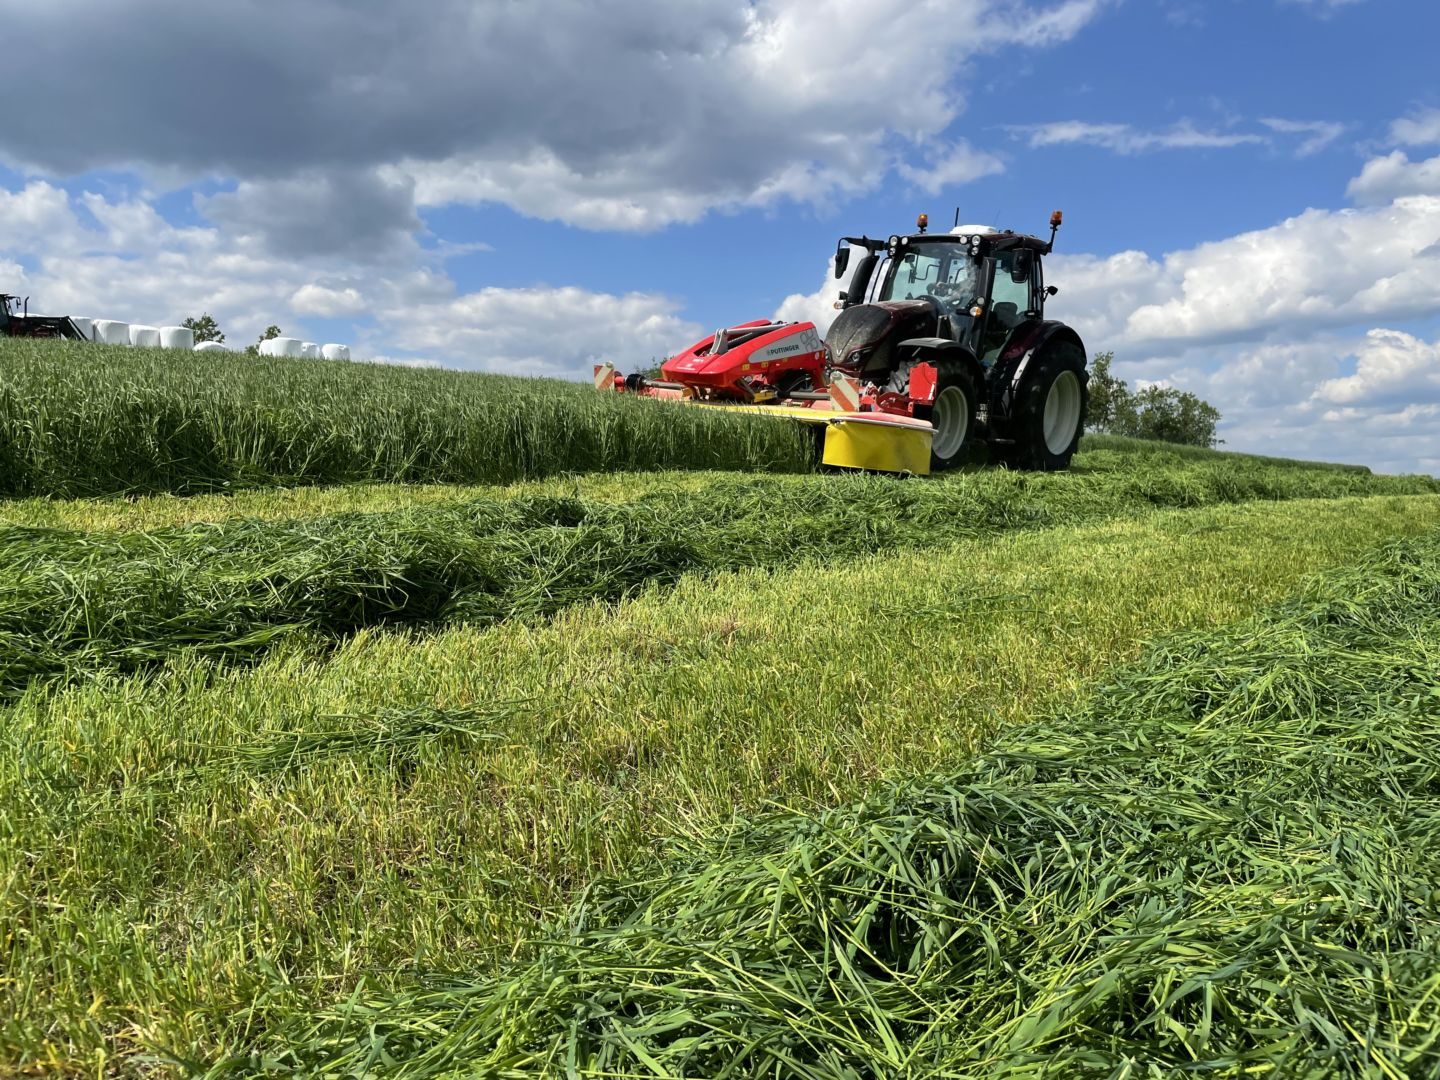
[(1251, 187)]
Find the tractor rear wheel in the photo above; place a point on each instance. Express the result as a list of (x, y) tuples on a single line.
[(1047, 416), (952, 413)]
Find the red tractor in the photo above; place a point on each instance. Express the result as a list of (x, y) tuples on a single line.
[(942, 331), (21, 323)]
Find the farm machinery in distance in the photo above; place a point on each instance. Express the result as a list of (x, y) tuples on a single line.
[(16, 321), (941, 344)]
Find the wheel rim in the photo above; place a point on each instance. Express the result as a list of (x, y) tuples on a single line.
[(951, 417), (1062, 412)]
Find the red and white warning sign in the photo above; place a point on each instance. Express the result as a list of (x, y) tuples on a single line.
[(604, 376), (845, 393)]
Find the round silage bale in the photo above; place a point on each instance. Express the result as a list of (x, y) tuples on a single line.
[(111, 332), (177, 337), (335, 352), (147, 337)]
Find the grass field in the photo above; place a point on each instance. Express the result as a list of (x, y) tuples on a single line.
[(273, 750)]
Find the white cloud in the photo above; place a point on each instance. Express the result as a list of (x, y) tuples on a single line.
[(542, 331), (1320, 269), (1390, 368), (1420, 129), (1313, 135), (1126, 139), (1385, 179), (1319, 134), (313, 299), (122, 260), (960, 163)]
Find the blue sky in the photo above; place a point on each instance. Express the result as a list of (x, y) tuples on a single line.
[(1251, 187)]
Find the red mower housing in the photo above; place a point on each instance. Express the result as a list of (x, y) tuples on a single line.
[(755, 361)]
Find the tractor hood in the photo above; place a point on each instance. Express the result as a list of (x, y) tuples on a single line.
[(863, 336)]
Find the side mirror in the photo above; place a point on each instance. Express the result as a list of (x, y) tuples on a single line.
[(1051, 290), (842, 259), (1020, 269)]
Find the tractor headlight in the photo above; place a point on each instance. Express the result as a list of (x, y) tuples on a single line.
[(964, 240)]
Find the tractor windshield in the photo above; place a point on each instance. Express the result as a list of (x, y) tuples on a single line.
[(947, 272)]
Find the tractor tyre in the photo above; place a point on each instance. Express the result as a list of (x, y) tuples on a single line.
[(952, 413), (1047, 416)]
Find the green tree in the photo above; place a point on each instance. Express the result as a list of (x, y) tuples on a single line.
[(1170, 415), (1108, 394), (1161, 413), (205, 328), (271, 331)]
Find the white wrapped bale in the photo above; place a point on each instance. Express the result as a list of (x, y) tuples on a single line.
[(287, 346), (84, 325), (177, 337), (310, 351), (147, 337), (335, 352), (110, 332), (210, 346)]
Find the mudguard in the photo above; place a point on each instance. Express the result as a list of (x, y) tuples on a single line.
[(932, 350), (1008, 371)]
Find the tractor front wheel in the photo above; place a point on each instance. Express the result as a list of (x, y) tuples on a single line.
[(952, 413)]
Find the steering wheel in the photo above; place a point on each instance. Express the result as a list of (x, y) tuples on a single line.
[(945, 290)]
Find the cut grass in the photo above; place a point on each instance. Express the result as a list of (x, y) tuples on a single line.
[(96, 420), (82, 602), (1224, 865), (169, 882), (1100, 454)]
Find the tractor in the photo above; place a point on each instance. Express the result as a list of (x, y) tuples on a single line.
[(941, 346), (20, 323)]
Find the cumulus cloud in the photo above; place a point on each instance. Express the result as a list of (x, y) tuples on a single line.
[(356, 215), (1320, 269), (959, 163), (543, 331), (313, 299), (1392, 368), (630, 114), (120, 259), (1385, 179), (1419, 129)]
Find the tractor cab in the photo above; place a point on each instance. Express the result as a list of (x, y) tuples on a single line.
[(975, 286)]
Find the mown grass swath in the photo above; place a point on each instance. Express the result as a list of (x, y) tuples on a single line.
[(195, 856), (91, 601), (93, 420), (1224, 865)]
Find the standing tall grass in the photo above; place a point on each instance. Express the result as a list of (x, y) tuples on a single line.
[(93, 420)]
